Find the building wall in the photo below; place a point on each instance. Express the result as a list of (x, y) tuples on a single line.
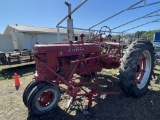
[(25, 40), (6, 43), (62, 38), (13, 32), (20, 41), (46, 38), (28, 40)]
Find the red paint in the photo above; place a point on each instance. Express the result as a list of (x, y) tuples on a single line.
[(57, 63), (140, 68)]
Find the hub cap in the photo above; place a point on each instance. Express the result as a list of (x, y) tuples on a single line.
[(45, 99), (143, 69)]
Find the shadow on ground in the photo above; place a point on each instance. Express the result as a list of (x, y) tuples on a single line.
[(157, 80), (7, 73), (56, 114), (111, 107)]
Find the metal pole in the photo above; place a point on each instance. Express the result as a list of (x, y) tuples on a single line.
[(151, 16), (75, 28), (143, 24), (71, 12), (69, 15), (144, 5), (117, 13), (144, 2), (70, 31), (145, 16), (122, 44), (157, 21), (58, 33), (85, 29), (89, 33)]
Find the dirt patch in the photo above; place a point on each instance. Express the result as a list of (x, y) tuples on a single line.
[(110, 107)]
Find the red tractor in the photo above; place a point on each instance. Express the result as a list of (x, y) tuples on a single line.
[(70, 65)]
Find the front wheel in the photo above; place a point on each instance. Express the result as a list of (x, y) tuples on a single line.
[(136, 68), (43, 99), (27, 91)]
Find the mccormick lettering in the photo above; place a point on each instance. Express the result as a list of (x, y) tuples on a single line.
[(75, 49)]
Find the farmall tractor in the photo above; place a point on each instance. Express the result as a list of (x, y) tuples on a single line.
[(69, 66)]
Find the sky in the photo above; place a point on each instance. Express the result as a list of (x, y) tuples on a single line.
[(47, 13)]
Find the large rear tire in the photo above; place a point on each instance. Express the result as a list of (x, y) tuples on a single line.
[(136, 68)]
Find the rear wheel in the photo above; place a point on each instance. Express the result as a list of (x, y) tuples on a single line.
[(44, 99), (136, 68)]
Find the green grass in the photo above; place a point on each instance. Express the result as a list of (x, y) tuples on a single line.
[(109, 71), (157, 69)]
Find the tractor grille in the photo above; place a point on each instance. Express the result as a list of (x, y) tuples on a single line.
[(41, 58)]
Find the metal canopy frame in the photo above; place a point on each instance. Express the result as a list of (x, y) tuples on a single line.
[(71, 12), (145, 16), (129, 8), (157, 20), (145, 5), (132, 7), (58, 35)]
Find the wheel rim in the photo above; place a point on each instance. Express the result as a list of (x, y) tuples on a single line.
[(46, 99), (143, 69)]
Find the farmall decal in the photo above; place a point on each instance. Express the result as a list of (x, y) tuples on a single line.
[(75, 49)]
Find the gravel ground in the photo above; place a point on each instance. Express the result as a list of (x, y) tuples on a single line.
[(109, 107)]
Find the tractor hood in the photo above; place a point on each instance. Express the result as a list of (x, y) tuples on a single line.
[(67, 49)]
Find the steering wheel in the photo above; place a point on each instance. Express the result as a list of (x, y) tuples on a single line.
[(104, 30)]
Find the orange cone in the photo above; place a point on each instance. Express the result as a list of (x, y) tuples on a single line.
[(17, 82)]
